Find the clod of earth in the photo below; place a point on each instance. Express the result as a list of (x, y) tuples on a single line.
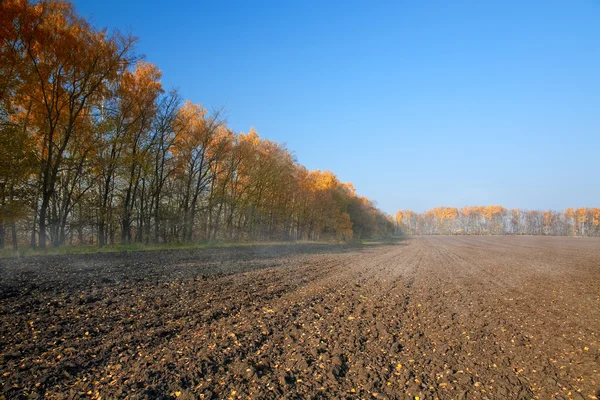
[(431, 317)]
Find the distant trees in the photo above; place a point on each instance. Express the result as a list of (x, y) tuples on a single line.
[(93, 150), (497, 220)]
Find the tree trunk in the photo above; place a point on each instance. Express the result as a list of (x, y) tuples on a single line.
[(101, 237), (33, 225), (15, 242), (42, 220)]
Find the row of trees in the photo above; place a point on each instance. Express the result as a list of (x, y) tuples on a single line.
[(497, 220), (94, 150)]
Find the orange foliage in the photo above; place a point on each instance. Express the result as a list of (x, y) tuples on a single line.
[(595, 216), (581, 217), (493, 211), (399, 217), (570, 213), (489, 220)]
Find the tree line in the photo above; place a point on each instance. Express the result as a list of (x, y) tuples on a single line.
[(94, 150), (497, 220)]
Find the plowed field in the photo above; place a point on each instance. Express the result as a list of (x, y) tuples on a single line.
[(433, 317)]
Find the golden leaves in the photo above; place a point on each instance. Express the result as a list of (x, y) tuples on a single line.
[(399, 217), (491, 219)]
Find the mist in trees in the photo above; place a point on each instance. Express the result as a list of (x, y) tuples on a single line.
[(497, 220), (94, 150)]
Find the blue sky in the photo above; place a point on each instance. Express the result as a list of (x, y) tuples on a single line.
[(417, 103)]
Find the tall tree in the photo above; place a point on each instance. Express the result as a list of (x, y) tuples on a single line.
[(65, 66)]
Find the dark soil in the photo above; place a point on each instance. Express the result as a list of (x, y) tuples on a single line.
[(434, 317)]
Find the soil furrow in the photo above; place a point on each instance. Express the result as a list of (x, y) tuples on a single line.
[(433, 317)]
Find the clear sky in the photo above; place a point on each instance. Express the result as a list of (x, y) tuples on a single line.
[(417, 103)]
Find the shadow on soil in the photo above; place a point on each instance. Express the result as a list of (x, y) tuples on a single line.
[(394, 240), (20, 276)]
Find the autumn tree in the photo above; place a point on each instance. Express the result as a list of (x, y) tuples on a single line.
[(62, 64), (477, 220), (17, 163), (141, 89), (164, 137)]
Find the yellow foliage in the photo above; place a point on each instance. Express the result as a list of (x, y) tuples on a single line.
[(570, 213), (325, 180), (581, 215), (548, 218), (493, 211), (595, 216), (399, 217)]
